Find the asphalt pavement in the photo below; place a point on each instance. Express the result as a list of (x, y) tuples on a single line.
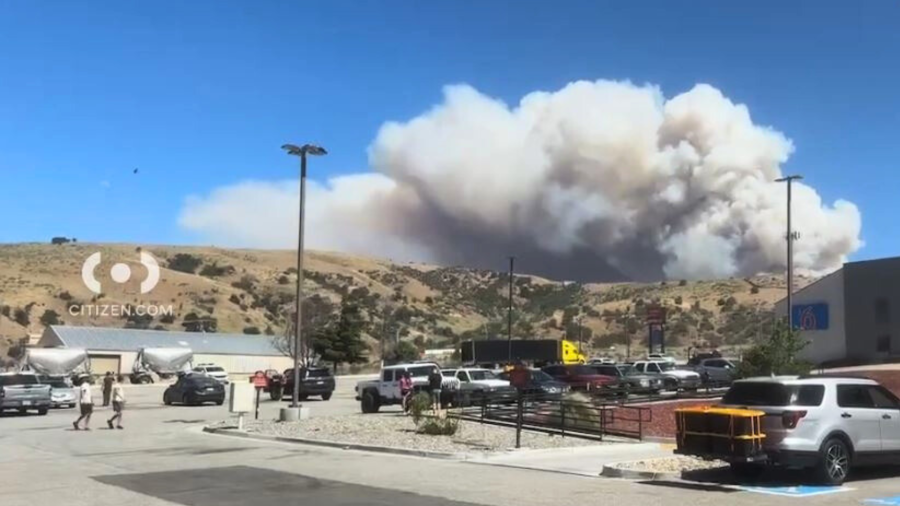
[(163, 458)]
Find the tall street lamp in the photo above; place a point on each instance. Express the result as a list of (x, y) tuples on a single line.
[(790, 249), (302, 152)]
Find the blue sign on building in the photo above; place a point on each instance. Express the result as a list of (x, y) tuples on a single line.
[(810, 316)]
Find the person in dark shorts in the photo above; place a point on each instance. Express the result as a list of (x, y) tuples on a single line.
[(86, 403), (434, 386), (118, 402), (108, 381)]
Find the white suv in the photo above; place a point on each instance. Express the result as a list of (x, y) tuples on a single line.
[(826, 423), (213, 371)]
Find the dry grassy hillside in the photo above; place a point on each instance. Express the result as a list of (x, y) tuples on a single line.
[(253, 291)]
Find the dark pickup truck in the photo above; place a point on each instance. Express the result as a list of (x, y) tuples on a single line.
[(23, 392)]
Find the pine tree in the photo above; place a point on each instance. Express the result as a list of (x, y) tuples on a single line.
[(341, 341)]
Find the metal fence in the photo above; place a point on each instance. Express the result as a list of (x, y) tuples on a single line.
[(582, 416)]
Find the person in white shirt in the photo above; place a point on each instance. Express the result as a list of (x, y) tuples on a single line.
[(118, 402), (86, 401)]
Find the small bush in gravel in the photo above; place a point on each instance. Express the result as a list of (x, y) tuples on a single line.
[(435, 426), (418, 405)]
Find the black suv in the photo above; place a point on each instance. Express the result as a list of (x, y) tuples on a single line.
[(313, 381), (193, 390)]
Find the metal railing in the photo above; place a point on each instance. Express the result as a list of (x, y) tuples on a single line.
[(581, 417)]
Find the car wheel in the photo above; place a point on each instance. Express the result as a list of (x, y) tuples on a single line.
[(671, 384), (219, 403), (42, 411), (186, 400), (834, 462), (369, 403), (302, 397), (275, 394), (166, 400), (326, 397), (22, 411), (745, 471)]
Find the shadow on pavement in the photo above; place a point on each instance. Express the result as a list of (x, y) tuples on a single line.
[(702, 487), (261, 487), (779, 477)]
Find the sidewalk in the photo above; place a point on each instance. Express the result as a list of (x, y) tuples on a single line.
[(582, 461)]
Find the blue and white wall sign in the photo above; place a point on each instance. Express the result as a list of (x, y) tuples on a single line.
[(810, 316)]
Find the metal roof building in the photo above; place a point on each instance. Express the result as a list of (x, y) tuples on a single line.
[(114, 349)]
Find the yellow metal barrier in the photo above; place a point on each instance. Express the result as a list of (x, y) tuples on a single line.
[(719, 432)]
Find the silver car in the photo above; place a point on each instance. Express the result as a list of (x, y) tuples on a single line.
[(62, 393), (825, 423)]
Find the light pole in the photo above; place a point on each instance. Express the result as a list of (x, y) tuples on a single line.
[(790, 249), (301, 151), (512, 261)]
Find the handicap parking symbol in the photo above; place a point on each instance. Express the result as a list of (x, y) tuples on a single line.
[(798, 491), (887, 501)]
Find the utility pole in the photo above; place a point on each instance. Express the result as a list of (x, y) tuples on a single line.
[(790, 249), (509, 312)]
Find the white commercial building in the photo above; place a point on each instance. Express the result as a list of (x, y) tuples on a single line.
[(847, 316), (115, 350)]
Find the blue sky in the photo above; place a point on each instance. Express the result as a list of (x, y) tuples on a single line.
[(201, 94)]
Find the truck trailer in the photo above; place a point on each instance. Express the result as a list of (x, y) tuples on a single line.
[(536, 351)]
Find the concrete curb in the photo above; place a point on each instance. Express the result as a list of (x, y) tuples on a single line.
[(629, 474), (232, 432)]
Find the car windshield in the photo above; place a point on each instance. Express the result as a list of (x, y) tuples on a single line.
[(318, 373), (57, 383), (18, 379), (541, 377), (214, 369), (421, 371), (200, 381), (765, 393), (448, 373), (583, 370), (482, 375)]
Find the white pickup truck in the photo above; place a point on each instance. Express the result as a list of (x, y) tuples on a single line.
[(385, 390)]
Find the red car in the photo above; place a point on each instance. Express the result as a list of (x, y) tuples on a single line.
[(580, 377)]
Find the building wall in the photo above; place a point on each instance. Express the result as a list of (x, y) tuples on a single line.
[(234, 364), (872, 289), (827, 344)]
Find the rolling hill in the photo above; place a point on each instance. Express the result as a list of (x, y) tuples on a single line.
[(252, 291)]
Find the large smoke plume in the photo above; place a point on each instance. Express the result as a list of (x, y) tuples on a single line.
[(597, 181)]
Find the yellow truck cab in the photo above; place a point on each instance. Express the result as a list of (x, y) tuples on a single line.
[(570, 353)]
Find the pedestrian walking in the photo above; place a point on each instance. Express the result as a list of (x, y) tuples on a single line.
[(118, 402), (406, 388), (108, 381), (434, 384), (86, 404)]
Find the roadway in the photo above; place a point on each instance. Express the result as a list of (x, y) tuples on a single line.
[(162, 459)]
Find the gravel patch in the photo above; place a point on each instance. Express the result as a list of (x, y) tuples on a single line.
[(398, 431), (675, 464)]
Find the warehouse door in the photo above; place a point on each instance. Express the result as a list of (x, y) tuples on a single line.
[(101, 364)]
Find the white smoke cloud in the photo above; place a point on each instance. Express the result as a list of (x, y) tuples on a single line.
[(597, 181)]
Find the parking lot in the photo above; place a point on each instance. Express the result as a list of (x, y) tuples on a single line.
[(163, 458)]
